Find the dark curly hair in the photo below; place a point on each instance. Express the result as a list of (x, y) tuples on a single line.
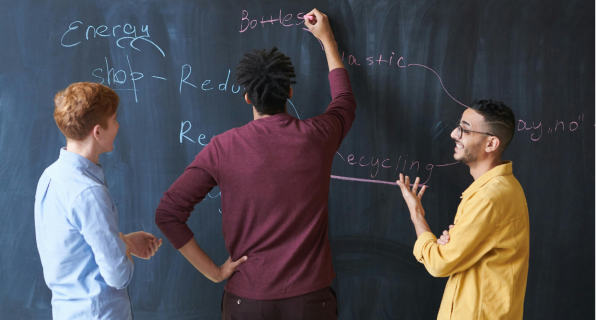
[(499, 119), (265, 76)]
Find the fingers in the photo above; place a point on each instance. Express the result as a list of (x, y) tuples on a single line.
[(421, 191), (310, 23), (400, 182), (317, 14), (238, 262), (156, 244), (446, 235), (451, 226), (404, 184), (152, 248), (444, 239), (415, 187), (228, 268), (149, 236), (319, 26), (149, 253)]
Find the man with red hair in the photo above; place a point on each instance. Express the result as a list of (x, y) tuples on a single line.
[(86, 262)]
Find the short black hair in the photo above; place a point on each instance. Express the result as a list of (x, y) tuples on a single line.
[(266, 76), (498, 117)]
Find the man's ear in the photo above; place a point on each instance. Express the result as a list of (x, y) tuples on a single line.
[(95, 132), (291, 93), (492, 144), (247, 99)]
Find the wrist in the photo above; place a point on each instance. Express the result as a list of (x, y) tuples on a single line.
[(417, 213), (123, 237), (217, 275), (329, 41), (420, 225), (128, 249)]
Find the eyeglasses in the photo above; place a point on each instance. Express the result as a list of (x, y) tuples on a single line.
[(461, 130)]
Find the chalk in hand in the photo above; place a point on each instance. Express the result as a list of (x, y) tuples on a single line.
[(309, 17)]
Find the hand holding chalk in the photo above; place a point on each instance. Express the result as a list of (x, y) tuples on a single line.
[(318, 24), (320, 28)]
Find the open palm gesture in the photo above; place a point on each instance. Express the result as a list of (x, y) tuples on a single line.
[(412, 196)]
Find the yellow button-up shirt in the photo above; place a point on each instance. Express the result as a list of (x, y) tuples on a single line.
[(487, 256)]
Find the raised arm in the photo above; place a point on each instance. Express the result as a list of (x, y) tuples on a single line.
[(321, 29), (469, 240), (341, 112)]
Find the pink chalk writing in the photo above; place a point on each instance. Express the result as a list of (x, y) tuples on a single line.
[(556, 127), (441, 81), (375, 163), (247, 24), (371, 61)]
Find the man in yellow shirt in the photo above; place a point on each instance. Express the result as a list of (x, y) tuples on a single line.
[(486, 252)]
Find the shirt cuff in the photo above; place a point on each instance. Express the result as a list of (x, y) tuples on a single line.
[(339, 82), (423, 239), (183, 236), (338, 75)]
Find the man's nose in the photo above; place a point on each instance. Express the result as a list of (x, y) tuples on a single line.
[(454, 134)]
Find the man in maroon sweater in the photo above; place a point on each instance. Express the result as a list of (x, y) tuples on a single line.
[(274, 175)]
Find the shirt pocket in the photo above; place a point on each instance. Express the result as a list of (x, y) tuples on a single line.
[(449, 302), (497, 280)]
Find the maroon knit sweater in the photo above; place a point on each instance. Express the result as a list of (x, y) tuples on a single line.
[(274, 176)]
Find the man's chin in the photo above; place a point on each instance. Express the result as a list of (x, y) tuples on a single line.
[(461, 159)]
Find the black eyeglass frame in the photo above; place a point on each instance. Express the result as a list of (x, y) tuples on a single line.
[(461, 131)]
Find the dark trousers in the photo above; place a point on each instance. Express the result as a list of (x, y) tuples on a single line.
[(317, 305)]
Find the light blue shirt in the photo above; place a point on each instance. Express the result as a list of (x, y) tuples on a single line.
[(76, 226)]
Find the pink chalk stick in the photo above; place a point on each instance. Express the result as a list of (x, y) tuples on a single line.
[(311, 18)]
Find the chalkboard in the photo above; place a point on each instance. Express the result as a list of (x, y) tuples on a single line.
[(414, 65)]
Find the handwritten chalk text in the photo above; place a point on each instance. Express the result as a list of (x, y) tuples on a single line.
[(557, 127), (122, 34)]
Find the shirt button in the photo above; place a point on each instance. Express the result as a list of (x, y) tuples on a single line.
[(323, 304), (239, 301)]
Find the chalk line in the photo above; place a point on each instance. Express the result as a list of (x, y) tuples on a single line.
[(421, 65), (444, 165), (371, 181)]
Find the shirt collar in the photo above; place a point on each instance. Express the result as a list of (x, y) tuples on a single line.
[(277, 117), (505, 168), (80, 161)]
